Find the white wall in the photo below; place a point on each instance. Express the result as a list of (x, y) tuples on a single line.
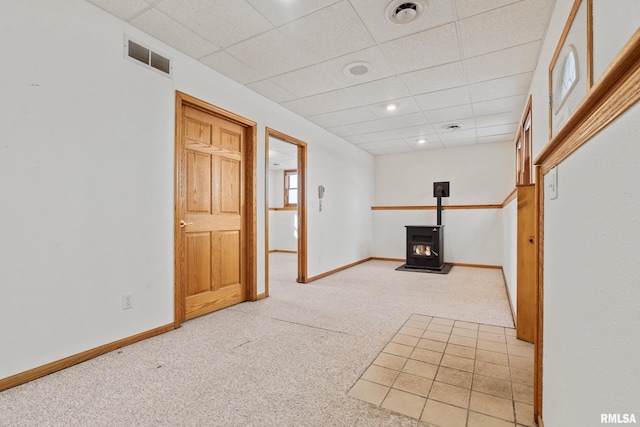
[(282, 231), (590, 363), (591, 271), (509, 250), (86, 181), (478, 175)]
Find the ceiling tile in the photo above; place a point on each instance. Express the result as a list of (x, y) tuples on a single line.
[(173, 33), (466, 8), (122, 9), (302, 107), (458, 135), (450, 114), (271, 90), (498, 130), (323, 121), (435, 78), (351, 115), (307, 81), (380, 67), (498, 119), (231, 67), (240, 22), (509, 137), (379, 90), (431, 143), (503, 63), (380, 136), (423, 50), (439, 12), (407, 120), (524, 21), (332, 101), (367, 127), (403, 106), (464, 125), (443, 98), (500, 88), (279, 12), (271, 53), (418, 132), (501, 105), (357, 139), (330, 32)]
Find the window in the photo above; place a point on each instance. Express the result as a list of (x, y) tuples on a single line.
[(290, 188), (523, 150), (567, 78)]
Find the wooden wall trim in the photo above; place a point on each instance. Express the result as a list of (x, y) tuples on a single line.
[(538, 330), (510, 197), (49, 368), (433, 208), (506, 286), (617, 90), (459, 264), (283, 209), (329, 273)]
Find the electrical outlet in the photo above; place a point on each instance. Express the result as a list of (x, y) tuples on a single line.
[(127, 301)]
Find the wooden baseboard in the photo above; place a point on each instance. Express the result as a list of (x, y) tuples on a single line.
[(387, 259), (506, 286), (540, 421), (67, 362), (261, 296), (329, 273), (461, 264)]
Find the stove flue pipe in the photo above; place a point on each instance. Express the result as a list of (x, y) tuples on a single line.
[(439, 191)]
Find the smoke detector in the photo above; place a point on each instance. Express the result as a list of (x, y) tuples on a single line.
[(357, 69), (452, 126), (403, 11)]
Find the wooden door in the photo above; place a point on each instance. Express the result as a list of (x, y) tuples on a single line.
[(527, 265), (210, 211)]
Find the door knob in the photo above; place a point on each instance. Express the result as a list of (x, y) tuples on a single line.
[(184, 224)]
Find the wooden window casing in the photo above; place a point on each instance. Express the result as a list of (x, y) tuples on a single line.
[(524, 161)]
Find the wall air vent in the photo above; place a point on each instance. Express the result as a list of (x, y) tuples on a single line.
[(143, 55)]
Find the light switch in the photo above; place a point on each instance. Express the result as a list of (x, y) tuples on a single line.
[(553, 183)]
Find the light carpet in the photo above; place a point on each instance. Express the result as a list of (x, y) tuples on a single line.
[(288, 360)]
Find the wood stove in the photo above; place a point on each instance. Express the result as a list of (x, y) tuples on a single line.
[(425, 247), (425, 243)]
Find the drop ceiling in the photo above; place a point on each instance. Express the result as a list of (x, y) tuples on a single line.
[(462, 62)]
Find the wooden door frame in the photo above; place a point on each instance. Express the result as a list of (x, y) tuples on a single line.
[(302, 205), (250, 199)]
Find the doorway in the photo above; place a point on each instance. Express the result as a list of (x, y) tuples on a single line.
[(215, 212), (286, 203)]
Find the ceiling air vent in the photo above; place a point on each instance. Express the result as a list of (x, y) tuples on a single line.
[(145, 56), (403, 11)]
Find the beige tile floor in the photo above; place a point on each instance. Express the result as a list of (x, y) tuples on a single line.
[(453, 374)]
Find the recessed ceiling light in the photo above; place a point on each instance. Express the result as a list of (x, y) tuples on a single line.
[(391, 107), (357, 69), (422, 141)]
